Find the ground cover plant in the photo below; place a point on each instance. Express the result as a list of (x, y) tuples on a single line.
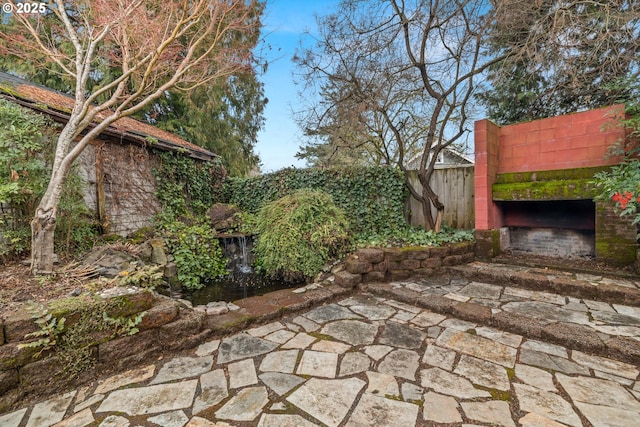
[(413, 236)]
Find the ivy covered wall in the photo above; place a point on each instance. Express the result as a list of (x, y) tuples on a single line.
[(187, 186), (372, 198)]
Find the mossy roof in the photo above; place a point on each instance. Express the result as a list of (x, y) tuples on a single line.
[(49, 101)]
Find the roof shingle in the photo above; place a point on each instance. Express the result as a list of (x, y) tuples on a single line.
[(52, 102)]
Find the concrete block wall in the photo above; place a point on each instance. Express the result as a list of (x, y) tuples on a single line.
[(570, 141), (487, 148), (565, 143)]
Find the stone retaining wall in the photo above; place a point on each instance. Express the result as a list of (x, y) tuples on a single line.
[(391, 264), (167, 325), (29, 368)]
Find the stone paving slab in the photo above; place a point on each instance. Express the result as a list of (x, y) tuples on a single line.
[(566, 320), (593, 287), (379, 358)]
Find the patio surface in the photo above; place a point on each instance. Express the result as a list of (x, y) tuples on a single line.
[(478, 346)]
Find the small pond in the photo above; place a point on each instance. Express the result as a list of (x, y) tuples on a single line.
[(242, 281), (234, 288)]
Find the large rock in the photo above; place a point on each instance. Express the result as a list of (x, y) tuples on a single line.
[(371, 255), (109, 262), (347, 280), (158, 255), (224, 216)]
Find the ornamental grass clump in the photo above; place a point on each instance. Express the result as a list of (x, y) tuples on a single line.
[(299, 233)]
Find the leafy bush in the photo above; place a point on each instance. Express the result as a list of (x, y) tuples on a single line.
[(621, 183), (374, 197), (26, 153), (299, 233), (23, 175), (196, 252)]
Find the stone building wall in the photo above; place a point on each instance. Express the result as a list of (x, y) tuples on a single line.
[(119, 185)]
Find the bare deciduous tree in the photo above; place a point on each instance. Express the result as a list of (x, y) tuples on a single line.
[(156, 44), (409, 68)]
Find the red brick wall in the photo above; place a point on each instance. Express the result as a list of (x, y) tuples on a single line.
[(565, 142)]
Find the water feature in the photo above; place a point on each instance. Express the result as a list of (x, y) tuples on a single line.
[(242, 281)]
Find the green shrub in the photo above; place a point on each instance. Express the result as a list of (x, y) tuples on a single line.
[(26, 155), (299, 233), (196, 252)]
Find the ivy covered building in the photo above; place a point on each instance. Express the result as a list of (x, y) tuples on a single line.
[(120, 167)]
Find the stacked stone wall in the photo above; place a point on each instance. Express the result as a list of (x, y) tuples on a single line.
[(165, 325), (391, 264)]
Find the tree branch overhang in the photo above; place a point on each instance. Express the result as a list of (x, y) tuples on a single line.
[(112, 132)]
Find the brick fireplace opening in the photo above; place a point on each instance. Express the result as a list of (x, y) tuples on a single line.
[(557, 228), (534, 188)]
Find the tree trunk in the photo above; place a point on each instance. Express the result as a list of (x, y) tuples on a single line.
[(43, 225), (439, 217), (43, 228), (426, 212), (428, 198)]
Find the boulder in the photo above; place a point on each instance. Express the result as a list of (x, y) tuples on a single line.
[(158, 255), (224, 216), (109, 262)]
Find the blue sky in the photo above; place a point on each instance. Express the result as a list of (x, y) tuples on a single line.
[(284, 23)]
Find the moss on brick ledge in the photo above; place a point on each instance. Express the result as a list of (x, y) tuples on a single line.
[(550, 175), (565, 189)]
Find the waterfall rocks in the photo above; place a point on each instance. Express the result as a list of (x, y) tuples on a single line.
[(224, 217)]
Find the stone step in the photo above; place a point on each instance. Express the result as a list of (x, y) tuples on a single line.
[(605, 288), (590, 326)]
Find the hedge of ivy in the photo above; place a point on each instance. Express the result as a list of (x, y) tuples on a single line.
[(372, 198)]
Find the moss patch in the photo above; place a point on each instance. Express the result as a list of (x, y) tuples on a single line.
[(615, 237), (573, 189), (616, 252), (552, 175)]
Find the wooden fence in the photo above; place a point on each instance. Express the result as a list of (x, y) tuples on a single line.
[(454, 187)]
